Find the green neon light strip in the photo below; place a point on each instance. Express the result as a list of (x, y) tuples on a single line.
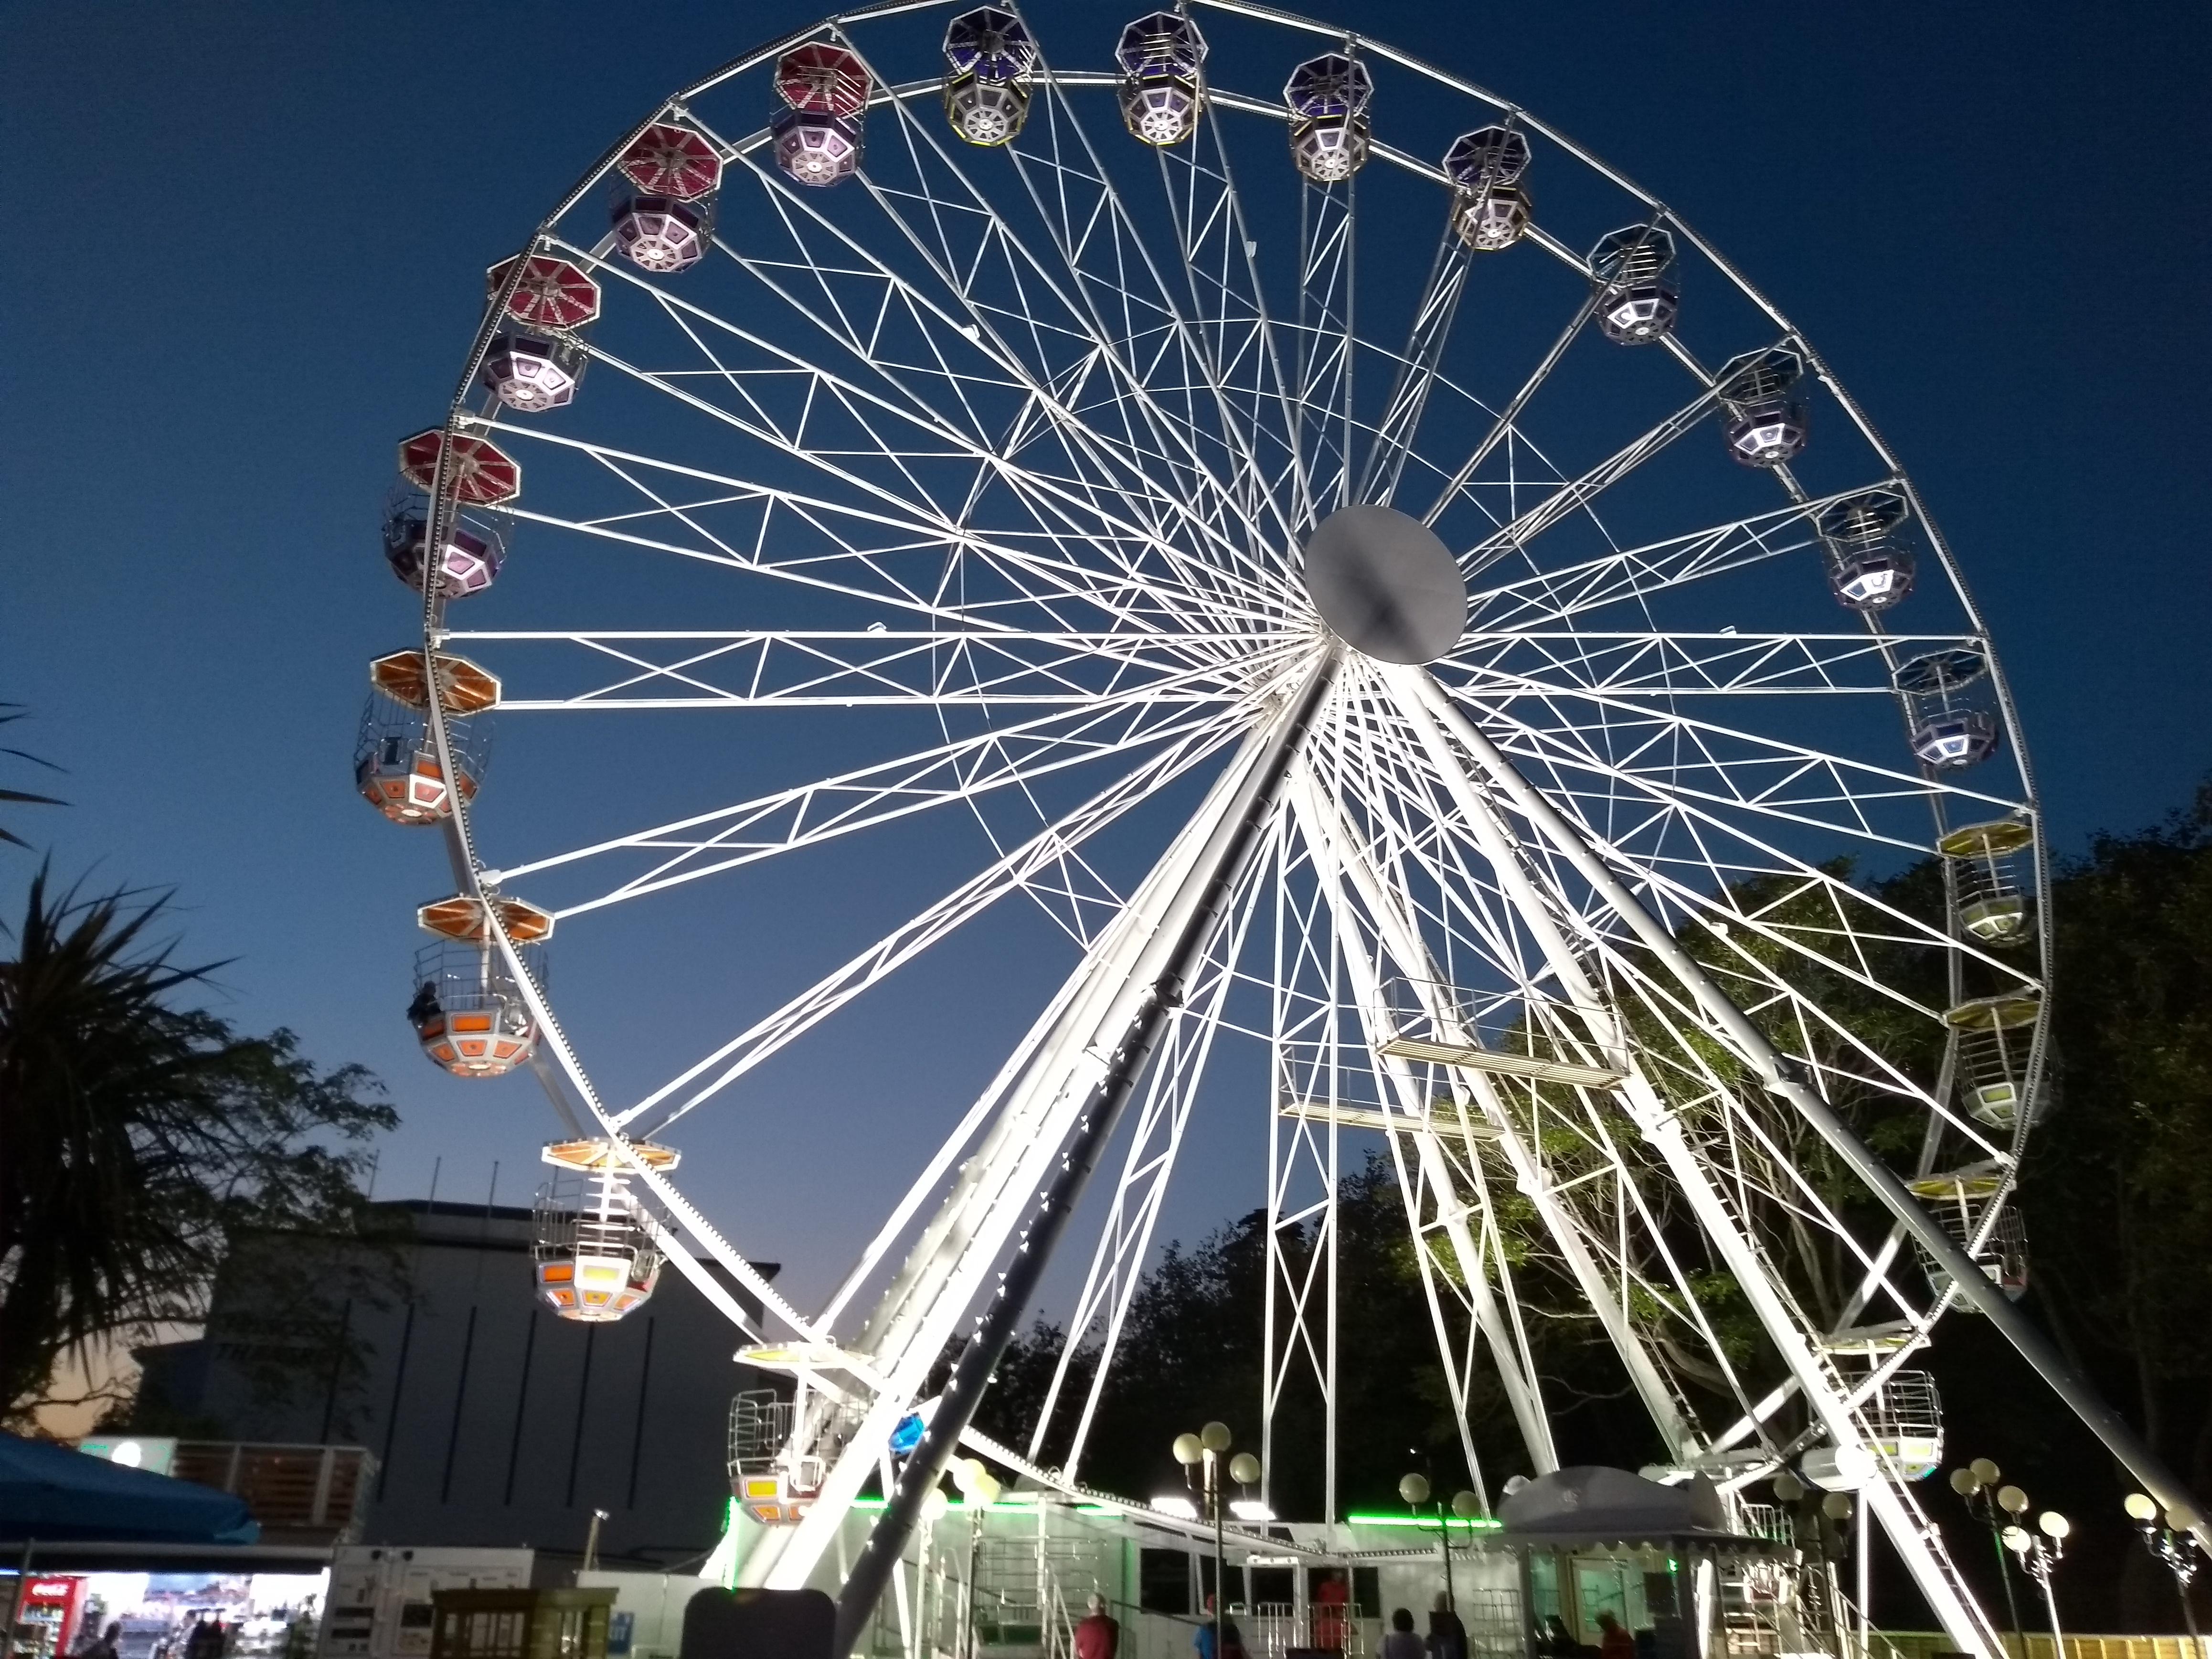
[(1478, 1524), (1022, 1506)]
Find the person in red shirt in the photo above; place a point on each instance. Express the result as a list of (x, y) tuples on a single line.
[(1331, 1608), (1615, 1642), (1098, 1637)]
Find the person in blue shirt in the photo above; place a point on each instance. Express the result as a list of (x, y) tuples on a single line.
[(1232, 1640)]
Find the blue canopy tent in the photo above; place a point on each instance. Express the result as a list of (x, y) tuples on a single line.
[(58, 1495)]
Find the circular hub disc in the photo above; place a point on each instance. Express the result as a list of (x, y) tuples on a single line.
[(1385, 585)]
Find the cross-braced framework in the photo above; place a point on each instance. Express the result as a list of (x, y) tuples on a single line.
[(998, 463)]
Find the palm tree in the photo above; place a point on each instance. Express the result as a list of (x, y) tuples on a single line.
[(17, 795), (137, 1137)]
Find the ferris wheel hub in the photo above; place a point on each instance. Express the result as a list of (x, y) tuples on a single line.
[(1386, 585)]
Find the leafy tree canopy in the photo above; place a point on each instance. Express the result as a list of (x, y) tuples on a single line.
[(2117, 1193), (139, 1137)]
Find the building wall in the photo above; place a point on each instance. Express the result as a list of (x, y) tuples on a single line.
[(497, 1423)]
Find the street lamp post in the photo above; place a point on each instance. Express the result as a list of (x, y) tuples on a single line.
[(980, 1487), (1978, 1485), (2039, 1556), (1414, 1489), (1837, 1509), (1202, 1452), (2171, 1544)]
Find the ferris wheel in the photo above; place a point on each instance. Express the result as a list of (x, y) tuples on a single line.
[(1443, 649)]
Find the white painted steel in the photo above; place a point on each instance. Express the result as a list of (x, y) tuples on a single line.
[(1026, 443)]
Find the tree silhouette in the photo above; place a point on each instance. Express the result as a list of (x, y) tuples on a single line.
[(139, 1138)]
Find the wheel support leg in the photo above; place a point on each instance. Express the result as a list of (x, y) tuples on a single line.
[(1419, 687), (1420, 699), (1165, 972)]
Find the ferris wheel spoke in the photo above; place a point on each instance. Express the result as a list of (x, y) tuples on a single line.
[(1393, 908), (1085, 492), (1628, 576), (1770, 1188), (1096, 235), (1322, 412), (1174, 441), (1712, 894), (1669, 664), (764, 668), (1418, 370), (1117, 482), (1833, 948), (981, 331), (1013, 870), (1466, 910), (1449, 1261), (804, 815), (1841, 1060), (1136, 606), (1578, 494), (1794, 1337), (1735, 1240), (1065, 513), (1672, 756), (830, 560), (1319, 821), (1241, 354), (1304, 1182), (1172, 1089), (1503, 426), (1600, 1190)]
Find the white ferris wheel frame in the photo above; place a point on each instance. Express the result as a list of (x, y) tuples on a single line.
[(1579, 893)]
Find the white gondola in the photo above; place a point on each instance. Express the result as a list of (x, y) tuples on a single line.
[(595, 1258)]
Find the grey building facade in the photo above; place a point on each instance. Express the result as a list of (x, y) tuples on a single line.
[(493, 1422)]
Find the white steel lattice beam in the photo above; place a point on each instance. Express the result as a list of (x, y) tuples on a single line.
[(1058, 1065), (1441, 725)]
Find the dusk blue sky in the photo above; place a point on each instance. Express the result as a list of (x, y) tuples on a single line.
[(249, 247)]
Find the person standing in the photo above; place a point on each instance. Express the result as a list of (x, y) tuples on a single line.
[(1332, 1611), (105, 1646), (1401, 1643), (1232, 1640), (1098, 1636), (1614, 1641), (1446, 1635)]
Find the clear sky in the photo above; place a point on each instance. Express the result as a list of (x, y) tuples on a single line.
[(249, 241)]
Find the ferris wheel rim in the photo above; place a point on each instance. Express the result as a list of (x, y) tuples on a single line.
[(480, 879), (484, 875)]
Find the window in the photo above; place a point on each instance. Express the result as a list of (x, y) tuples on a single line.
[(1236, 1571), (1164, 1581)]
